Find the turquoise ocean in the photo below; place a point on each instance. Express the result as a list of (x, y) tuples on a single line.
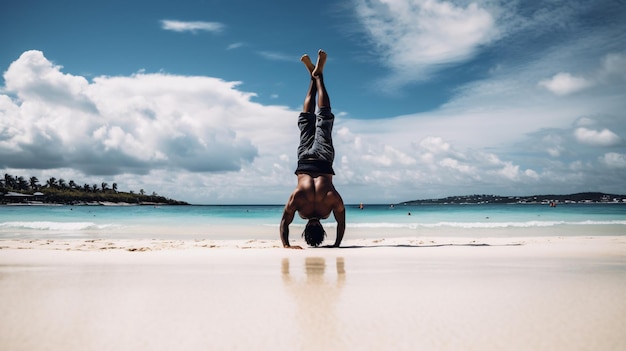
[(262, 222)]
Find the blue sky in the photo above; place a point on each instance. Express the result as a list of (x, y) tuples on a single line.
[(197, 100)]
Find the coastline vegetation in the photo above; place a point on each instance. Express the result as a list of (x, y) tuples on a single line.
[(586, 197), (18, 189)]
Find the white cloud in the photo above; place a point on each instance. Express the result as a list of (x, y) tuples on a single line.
[(132, 124), (33, 76), (565, 84), (614, 160), (554, 151), (276, 56), (510, 171), (417, 37), (605, 137), (531, 174), (191, 26), (389, 157), (234, 46), (434, 144), (612, 69), (456, 165)]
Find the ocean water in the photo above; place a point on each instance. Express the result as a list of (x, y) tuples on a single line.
[(262, 222)]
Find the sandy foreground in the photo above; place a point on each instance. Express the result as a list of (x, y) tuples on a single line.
[(373, 294)]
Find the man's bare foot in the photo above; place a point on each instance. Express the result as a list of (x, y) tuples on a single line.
[(307, 62), (321, 60)]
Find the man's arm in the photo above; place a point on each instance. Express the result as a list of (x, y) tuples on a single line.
[(288, 215), (340, 216)]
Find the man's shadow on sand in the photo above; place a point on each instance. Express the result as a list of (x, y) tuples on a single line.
[(423, 245)]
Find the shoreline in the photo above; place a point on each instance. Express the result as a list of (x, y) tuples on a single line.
[(145, 244)]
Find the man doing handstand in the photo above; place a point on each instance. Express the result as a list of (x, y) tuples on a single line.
[(315, 196)]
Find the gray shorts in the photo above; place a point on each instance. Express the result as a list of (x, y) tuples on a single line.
[(316, 152)]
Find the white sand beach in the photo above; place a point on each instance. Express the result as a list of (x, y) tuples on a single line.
[(539, 293)]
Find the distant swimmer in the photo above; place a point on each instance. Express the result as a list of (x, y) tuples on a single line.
[(315, 196)]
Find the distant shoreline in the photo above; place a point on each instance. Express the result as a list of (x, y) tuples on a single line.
[(577, 198), (79, 198), (99, 203)]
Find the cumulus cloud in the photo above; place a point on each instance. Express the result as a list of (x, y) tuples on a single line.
[(440, 157), (605, 137), (417, 37), (133, 124), (614, 160), (34, 77), (388, 157), (434, 144), (191, 26), (612, 70), (565, 84)]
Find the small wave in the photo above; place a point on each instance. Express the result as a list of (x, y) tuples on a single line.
[(485, 225), (54, 226)]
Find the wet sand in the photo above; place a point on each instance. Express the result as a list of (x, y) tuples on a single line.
[(373, 294)]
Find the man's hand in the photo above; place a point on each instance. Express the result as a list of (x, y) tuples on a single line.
[(288, 215), (340, 215)]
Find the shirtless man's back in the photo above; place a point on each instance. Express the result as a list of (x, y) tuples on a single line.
[(315, 196)]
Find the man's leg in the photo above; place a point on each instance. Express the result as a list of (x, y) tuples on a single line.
[(309, 100), (316, 130), (323, 146), (306, 120), (323, 100)]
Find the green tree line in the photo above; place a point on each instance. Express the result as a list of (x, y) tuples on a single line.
[(62, 191)]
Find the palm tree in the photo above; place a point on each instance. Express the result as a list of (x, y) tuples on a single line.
[(34, 183), (21, 183), (86, 187), (72, 184), (62, 184), (114, 187), (104, 187), (9, 181), (51, 183), (95, 188)]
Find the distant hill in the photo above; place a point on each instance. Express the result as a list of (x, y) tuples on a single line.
[(589, 197)]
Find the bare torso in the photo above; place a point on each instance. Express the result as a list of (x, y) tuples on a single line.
[(315, 196)]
